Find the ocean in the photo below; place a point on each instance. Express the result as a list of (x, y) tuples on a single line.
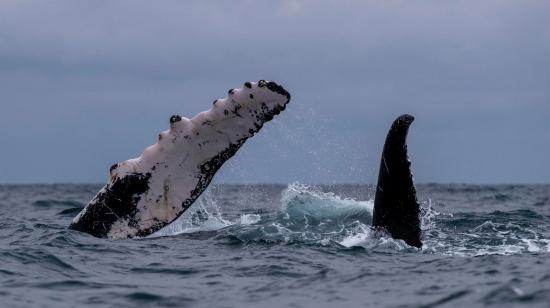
[(292, 245)]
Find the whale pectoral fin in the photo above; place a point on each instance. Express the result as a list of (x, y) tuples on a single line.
[(149, 192), (396, 208), (116, 200)]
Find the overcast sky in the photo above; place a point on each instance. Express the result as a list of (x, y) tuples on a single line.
[(85, 84)]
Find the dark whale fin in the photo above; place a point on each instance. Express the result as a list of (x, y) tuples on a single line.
[(395, 206)]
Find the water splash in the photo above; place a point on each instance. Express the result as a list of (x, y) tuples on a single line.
[(203, 215), (307, 215), (313, 216), (301, 201)]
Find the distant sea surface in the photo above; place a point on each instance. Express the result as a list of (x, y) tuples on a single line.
[(282, 246)]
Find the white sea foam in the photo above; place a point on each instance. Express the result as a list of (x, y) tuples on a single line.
[(249, 219), (203, 215), (358, 238)]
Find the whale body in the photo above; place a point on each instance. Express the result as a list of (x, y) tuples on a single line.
[(147, 193)]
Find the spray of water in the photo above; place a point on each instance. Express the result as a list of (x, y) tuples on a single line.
[(308, 215)]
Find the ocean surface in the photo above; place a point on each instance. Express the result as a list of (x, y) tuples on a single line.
[(282, 246)]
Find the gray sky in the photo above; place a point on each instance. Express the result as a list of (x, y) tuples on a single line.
[(85, 84)]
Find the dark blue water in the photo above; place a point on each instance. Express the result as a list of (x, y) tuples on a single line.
[(279, 246)]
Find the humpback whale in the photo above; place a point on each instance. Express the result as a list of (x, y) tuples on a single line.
[(147, 193), (396, 209)]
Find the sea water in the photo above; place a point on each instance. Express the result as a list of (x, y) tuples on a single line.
[(290, 245)]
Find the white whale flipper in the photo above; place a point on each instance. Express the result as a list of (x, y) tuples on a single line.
[(147, 193)]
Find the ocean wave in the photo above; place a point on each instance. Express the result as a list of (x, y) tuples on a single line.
[(312, 216)]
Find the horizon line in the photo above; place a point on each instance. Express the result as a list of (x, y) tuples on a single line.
[(286, 184)]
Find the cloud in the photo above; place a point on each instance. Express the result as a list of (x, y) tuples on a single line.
[(106, 75)]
